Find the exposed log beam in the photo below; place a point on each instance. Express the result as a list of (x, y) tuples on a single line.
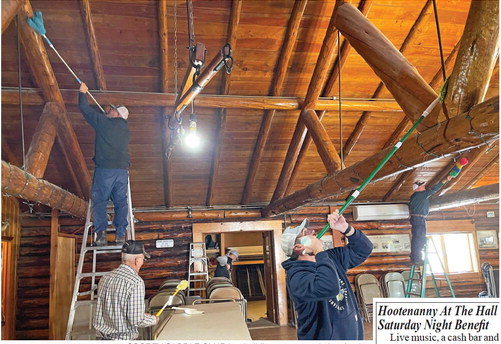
[(364, 118), (236, 9), (276, 89), (466, 197), (43, 139), (476, 59), (364, 7), (43, 74), (18, 183), (317, 83), (397, 185), (473, 157), (325, 147), (482, 173), (163, 31), (92, 42), (408, 88), (32, 96), (436, 140), (9, 11)]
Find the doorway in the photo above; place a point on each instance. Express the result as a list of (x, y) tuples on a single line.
[(273, 277)]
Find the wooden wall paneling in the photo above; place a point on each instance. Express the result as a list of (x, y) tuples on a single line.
[(200, 229), (11, 234)]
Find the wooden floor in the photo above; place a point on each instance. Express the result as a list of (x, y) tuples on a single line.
[(289, 333)]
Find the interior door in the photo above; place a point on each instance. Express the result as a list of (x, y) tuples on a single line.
[(270, 276)]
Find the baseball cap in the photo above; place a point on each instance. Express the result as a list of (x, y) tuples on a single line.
[(289, 237), (122, 110), (222, 260), (234, 252), (417, 184), (134, 247)]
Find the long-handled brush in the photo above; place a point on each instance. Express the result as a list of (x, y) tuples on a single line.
[(36, 23), (181, 286)]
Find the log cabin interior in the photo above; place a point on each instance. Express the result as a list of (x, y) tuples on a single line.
[(309, 99)]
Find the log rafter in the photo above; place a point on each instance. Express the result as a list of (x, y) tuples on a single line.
[(9, 11), (364, 8), (44, 77), (434, 143), (90, 33), (317, 83), (236, 9), (276, 88)]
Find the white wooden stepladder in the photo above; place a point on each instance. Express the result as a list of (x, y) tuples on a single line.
[(198, 271), (83, 303)]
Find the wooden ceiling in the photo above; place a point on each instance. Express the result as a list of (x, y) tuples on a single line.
[(133, 69)]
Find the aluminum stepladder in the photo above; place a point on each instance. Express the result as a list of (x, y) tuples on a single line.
[(83, 302), (424, 273), (198, 270)]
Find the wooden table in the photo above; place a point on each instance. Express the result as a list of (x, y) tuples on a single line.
[(221, 321)]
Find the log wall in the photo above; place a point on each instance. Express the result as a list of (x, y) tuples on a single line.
[(33, 291)]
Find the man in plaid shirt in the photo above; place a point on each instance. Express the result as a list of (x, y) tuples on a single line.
[(120, 297)]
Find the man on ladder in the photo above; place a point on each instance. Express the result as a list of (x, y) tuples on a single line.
[(112, 163), (419, 207)]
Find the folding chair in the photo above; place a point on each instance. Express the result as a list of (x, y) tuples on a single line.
[(367, 287)]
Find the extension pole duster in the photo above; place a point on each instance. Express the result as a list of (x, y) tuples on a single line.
[(181, 286), (36, 23), (355, 193)]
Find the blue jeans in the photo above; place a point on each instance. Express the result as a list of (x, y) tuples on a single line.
[(110, 183)]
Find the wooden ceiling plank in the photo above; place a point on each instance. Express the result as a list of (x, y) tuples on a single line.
[(482, 173), (473, 157), (41, 144), (276, 90), (406, 85), (362, 122), (466, 197), (33, 96), (364, 7), (317, 83), (19, 183), (476, 59), (163, 31), (90, 33), (43, 74), (236, 9), (484, 121), (9, 11), (397, 185)]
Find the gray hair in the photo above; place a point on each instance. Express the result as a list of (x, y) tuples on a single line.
[(127, 257)]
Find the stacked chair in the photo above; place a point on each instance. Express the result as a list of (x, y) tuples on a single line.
[(165, 291), (367, 288), (221, 289), (393, 284), (416, 283)]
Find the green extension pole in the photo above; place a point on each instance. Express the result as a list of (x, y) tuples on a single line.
[(355, 193)]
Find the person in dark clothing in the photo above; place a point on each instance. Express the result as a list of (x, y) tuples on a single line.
[(223, 268), (112, 160), (317, 282), (419, 207)]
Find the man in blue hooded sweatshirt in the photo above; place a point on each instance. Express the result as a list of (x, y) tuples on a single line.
[(317, 282)]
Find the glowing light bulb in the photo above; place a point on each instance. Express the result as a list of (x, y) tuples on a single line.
[(192, 140)]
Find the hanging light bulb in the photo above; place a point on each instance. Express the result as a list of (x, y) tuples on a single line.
[(192, 140)]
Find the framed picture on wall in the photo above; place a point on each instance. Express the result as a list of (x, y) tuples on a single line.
[(487, 239), (390, 243)]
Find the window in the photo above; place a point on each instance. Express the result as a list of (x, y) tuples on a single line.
[(456, 251)]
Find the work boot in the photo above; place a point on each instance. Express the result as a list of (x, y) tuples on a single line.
[(120, 240), (100, 239)]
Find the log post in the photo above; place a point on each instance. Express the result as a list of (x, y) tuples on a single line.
[(9, 11), (456, 135), (408, 88), (43, 139), (276, 88), (18, 183), (476, 58)]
